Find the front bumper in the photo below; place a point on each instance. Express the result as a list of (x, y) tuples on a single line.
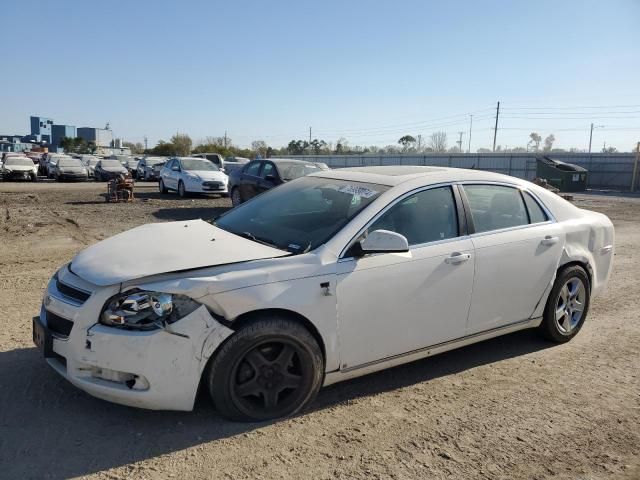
[(73, 176), (18, 175), (154, 369), (208, 187)]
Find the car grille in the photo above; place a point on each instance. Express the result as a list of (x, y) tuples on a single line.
[(59, 325), (213, 185), (79, 296)]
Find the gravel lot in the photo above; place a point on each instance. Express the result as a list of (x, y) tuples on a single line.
[(512, 407)]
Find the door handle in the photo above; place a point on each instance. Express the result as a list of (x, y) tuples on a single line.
[(457, 257), (549, 240)]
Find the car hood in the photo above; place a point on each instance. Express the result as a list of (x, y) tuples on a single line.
[(19, 168), (72, 169), (208, 174), (163, 248), (113, 169)]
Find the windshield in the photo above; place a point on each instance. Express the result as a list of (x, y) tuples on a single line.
[(301, 215), (111, 164), (293, 170), (21, 161), (197, 165), (69, 162), (152, 161)]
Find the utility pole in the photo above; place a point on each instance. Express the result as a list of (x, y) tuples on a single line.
[(225, 139), (495, 130), (470, 128), (591, 134), (309, 135), (459, 142), (635, 167), (146, 140)]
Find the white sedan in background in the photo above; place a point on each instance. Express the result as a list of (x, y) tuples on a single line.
[(192, 175), (325, 278)]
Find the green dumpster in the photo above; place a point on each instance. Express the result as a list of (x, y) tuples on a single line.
[(567, 177)]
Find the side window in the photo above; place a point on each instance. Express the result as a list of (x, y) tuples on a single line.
[(268, 169), (494, 207), (536, 214), (426, 216), (252, 169)]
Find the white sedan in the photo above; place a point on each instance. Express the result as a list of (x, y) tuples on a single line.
[(192, 175), (325, 278)]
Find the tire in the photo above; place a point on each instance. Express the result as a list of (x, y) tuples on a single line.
[(182, 191), (571, 292), (271, 360), (161, 187), (34, 177), (236, 198)]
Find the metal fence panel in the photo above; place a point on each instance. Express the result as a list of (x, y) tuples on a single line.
[(606, 170)]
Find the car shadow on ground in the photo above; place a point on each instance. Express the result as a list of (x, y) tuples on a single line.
[(51, 429)]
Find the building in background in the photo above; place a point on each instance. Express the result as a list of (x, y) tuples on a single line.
[(41, 129), (58, 132), (102, 137)]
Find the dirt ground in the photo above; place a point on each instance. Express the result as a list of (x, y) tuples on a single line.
[(513, 407)]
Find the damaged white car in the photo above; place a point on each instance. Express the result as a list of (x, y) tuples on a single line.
[(328, 277)]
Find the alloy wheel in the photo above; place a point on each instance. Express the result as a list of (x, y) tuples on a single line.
[(570, 305), (236, 199)]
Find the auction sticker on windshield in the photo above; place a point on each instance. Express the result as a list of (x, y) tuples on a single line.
[(363, 192)]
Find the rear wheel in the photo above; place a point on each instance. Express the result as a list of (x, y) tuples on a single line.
[(236, 198), (268, 369), (567, 305)]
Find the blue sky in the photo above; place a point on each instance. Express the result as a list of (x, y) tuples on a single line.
[(365, 70)]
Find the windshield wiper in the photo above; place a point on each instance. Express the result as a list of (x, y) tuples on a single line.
[(252, 237)]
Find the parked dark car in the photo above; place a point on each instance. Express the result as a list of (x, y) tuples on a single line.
[(261, 175), (107, 169), (69, 168)]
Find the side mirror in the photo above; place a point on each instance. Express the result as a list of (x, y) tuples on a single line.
[(381, 241)]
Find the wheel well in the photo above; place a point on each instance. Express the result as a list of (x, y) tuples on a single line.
[(248, 317), (584, 265)]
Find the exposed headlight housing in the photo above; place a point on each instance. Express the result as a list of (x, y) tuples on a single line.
[(145, 310)]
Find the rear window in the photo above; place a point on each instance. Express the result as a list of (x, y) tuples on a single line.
[(494, 207), (536, 214), (111, 163)]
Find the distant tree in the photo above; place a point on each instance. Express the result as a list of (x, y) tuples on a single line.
[(260, 147), (455, 149), (297, 147), (609, 150), (270, 152), (407, 141), (484, 150), (182, 144), (518, 150), (163, 149), (317, 146), (342, 145), (534, 143), (548, 142), (438, 142), (76, 145), (136, 148)]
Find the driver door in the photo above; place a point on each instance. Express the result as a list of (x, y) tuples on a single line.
[(394, 303)]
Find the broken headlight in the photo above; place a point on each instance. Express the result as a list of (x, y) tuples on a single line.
[(144, 310)]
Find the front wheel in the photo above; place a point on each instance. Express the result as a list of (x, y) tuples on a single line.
[(161, 187), (268, 369), (567, 305), (181, 190)]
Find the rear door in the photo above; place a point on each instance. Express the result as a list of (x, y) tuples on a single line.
[(517, 250)]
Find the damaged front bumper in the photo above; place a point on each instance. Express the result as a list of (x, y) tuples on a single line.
[(148, 369)]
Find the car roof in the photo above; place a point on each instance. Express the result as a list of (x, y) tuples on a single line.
[(286, 160), (392, 175)]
